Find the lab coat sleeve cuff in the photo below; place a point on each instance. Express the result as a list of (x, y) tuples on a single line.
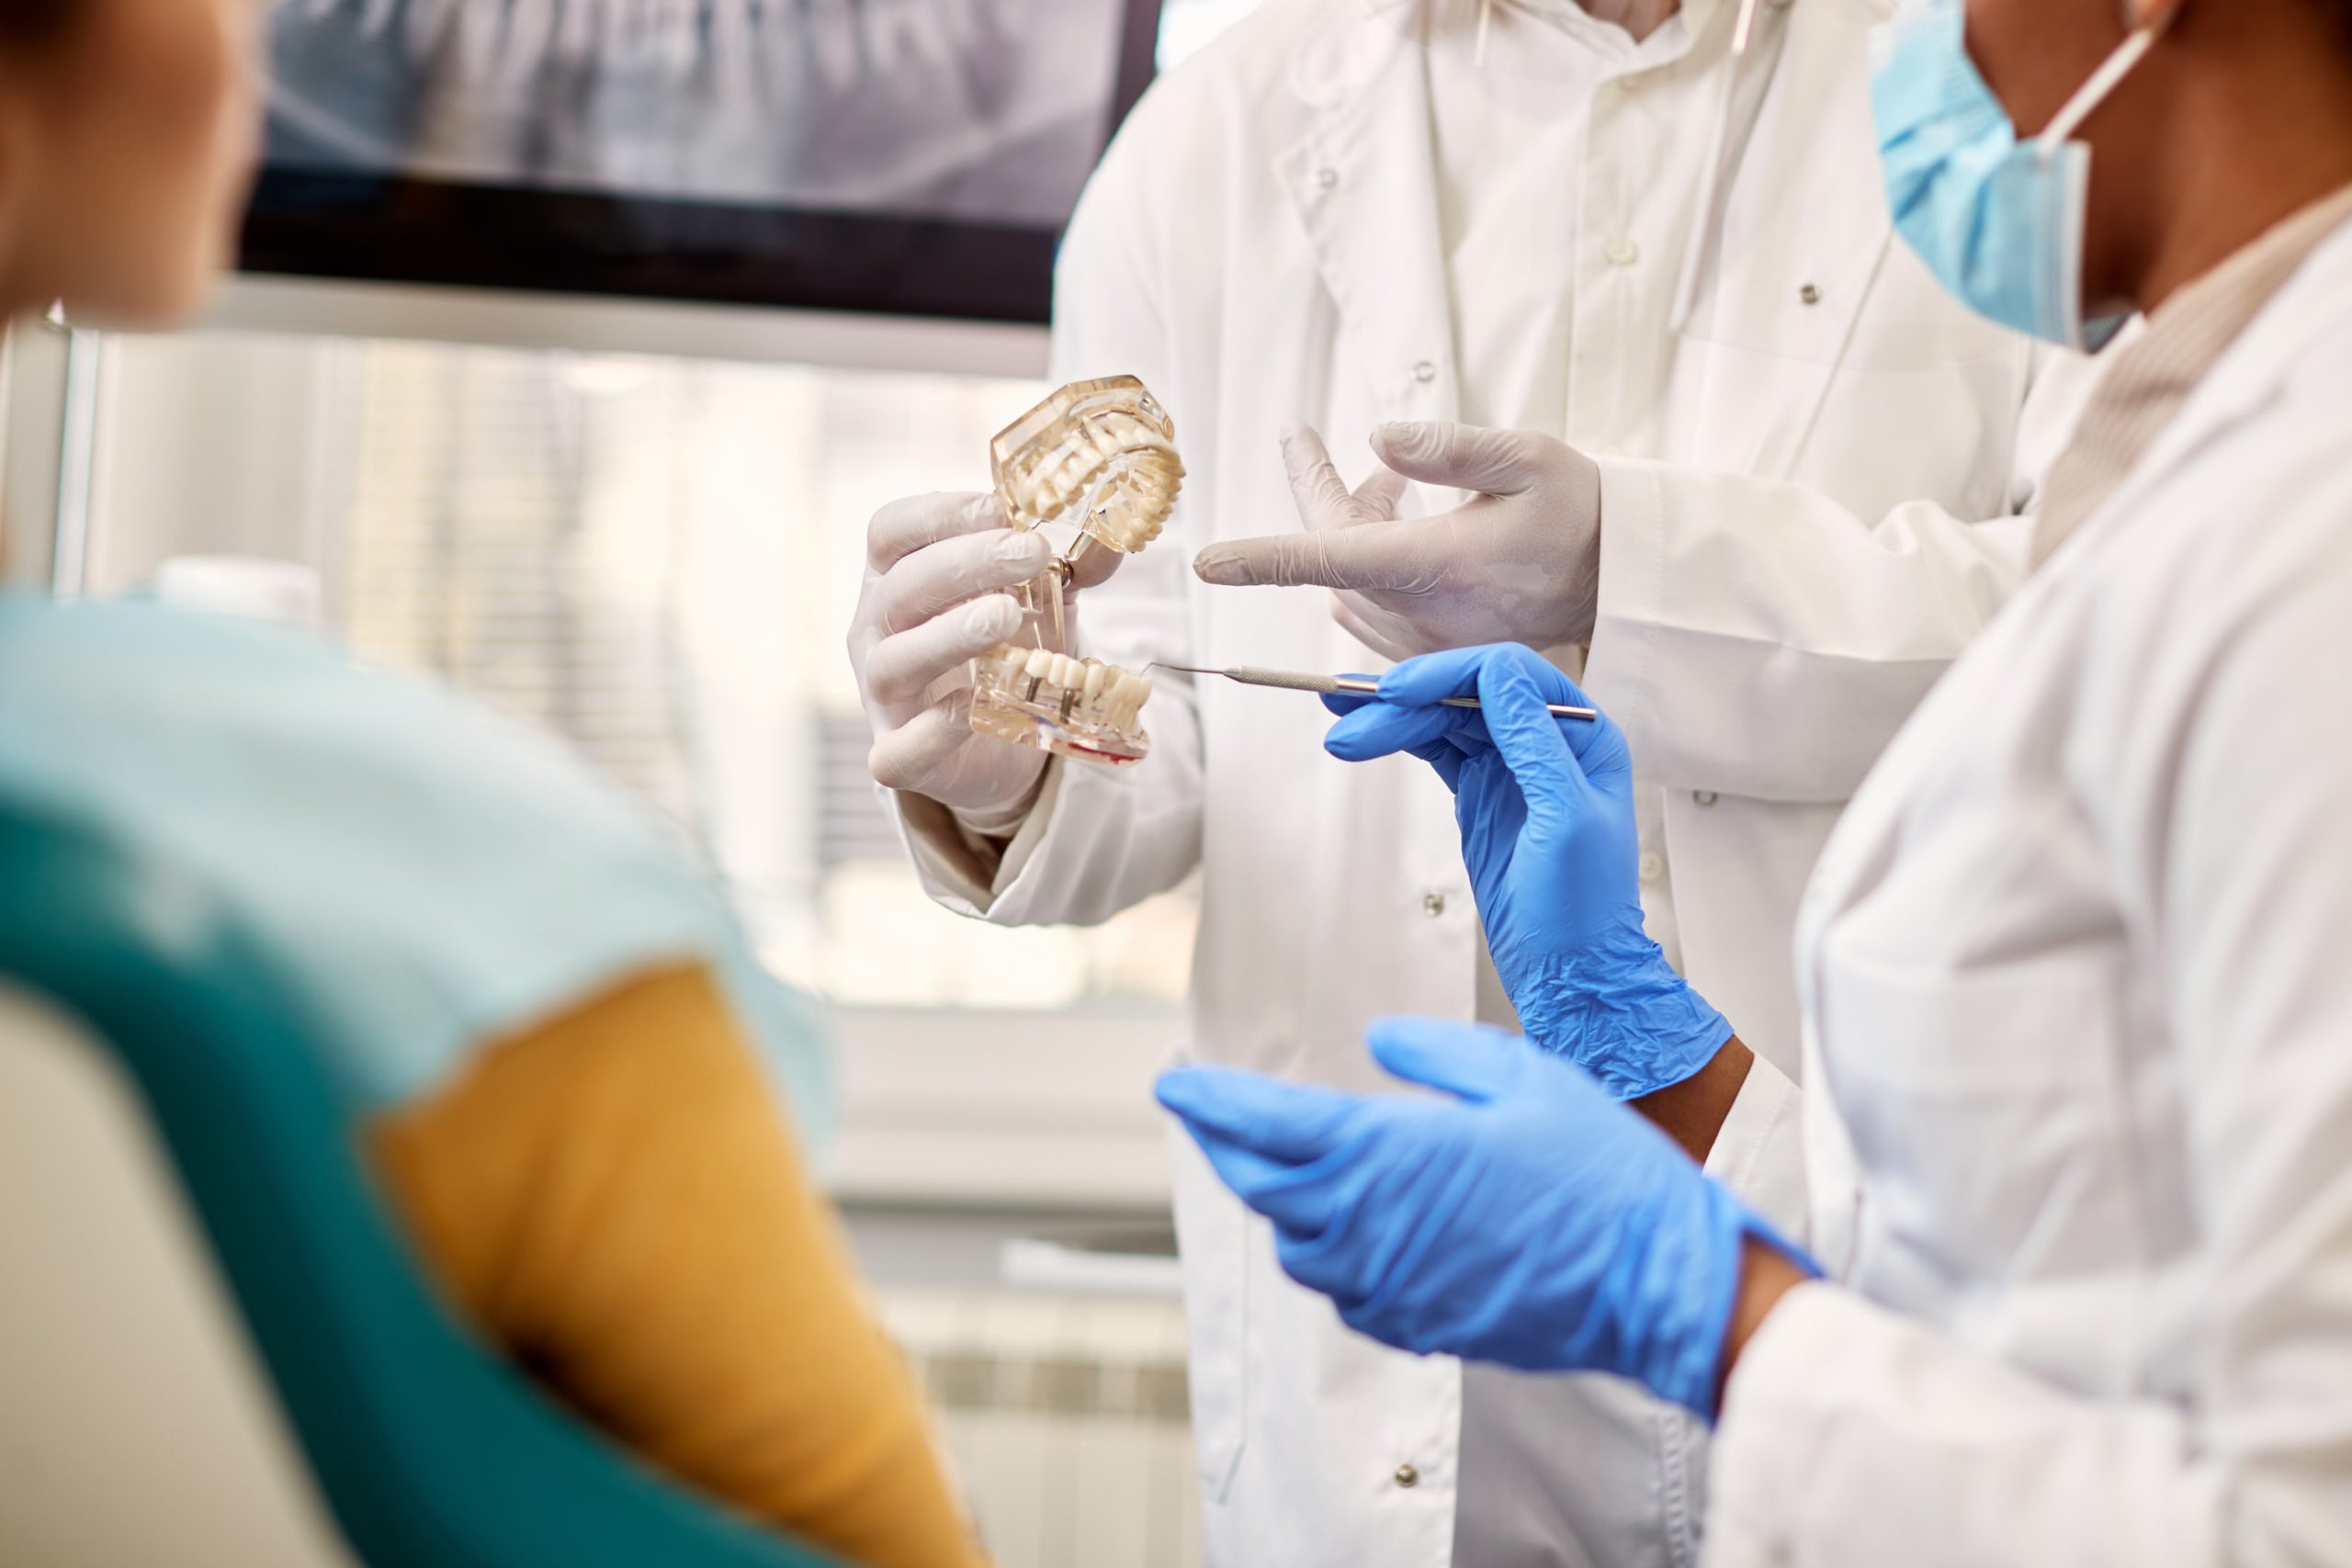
[(944, 860), (958, 873), (1060, 849), (1621, 665), (1846, 1425), (1759, 1152), (1026, 844), (1766, 1444)]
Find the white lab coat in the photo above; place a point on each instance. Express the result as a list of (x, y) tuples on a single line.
[(2080, 1045), (1261, 246)]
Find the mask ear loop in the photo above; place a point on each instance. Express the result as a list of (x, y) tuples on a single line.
[(2080, 108), (1744, 32), (2093, 92)]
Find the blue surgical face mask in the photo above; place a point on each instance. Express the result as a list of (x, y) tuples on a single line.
[(2000, 222)]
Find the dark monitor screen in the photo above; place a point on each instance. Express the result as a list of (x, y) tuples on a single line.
[(910, 156)]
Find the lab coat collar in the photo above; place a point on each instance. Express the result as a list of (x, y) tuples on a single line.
[(1403, 16), (2308, 321), (1364, 182)]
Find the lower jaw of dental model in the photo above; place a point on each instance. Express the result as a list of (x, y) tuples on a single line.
[(1100, 455), (1072, 707)]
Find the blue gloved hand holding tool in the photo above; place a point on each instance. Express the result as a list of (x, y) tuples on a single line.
[(1525, 1217), (1546, 807)]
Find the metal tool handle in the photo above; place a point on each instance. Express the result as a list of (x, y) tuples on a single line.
[(1288, 681), (1558, 710), (1294, 680), (1357, 685)]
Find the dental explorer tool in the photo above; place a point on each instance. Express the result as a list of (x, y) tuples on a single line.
[(1356, 685)]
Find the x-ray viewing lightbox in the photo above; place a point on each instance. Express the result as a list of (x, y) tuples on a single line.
[(917, 157)]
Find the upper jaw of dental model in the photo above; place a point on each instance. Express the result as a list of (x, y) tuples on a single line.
[(1100, 454)]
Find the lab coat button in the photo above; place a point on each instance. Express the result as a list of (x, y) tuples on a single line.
[(1432, 905), (1425, 372), (1704, 796), (1408, 1476), (1653, 865), (1326, 178), (1622, 251), (1810, 293)]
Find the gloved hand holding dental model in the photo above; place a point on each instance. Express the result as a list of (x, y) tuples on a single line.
[(1546, 812), (966, 632), (1528, 1219), (1519, 562), (941, 572)]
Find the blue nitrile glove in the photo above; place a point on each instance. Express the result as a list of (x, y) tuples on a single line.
[(1528, 1219), (1547, 811)]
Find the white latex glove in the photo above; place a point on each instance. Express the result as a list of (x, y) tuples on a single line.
[(939, 575), (1519, 562)]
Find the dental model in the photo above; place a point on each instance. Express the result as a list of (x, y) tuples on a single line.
[(1102, 457), (1072, 707)]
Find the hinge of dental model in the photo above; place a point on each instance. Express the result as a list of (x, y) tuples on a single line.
[(1099, 455)]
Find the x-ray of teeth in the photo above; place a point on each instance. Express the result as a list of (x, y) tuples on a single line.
[(976, 109)]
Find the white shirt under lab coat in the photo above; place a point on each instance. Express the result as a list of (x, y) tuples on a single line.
[(2080, 1045), (1796, 484)]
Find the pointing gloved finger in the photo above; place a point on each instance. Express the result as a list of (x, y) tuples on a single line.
[(1294, 1123), (910, 756), (1462, 457), (941, 576), (1271, 560), (908, 525), (901, 667), (1471, 1060), (1327, 507), (1341, 704), (1399, 555)]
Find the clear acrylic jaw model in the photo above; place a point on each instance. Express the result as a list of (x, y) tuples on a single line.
[(1072, 707), (1099, 455)]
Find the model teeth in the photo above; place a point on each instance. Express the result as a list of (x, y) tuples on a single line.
[(1086, 692), (1100, 455), (1105, 445)]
